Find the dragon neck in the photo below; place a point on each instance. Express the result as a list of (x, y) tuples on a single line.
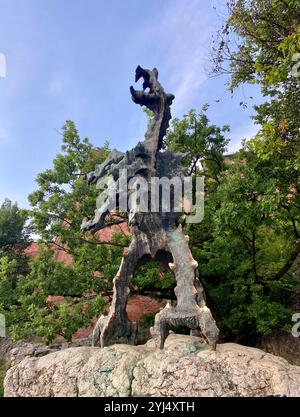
[(155, 133)]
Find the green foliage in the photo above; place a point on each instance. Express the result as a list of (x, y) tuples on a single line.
[(7, 286), (253, 249), (267, 37), (268, 41), (245, 259), (63, 197), (59, 205), (147, 320), (245, 244), (35, 314), (14, 234), (153, 277), (200, 139), (14, 238)]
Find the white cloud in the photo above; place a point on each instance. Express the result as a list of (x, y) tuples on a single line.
[(178, 37), (189, 26), (238, 135)]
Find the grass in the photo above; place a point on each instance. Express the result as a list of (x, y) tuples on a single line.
[(4, 365)]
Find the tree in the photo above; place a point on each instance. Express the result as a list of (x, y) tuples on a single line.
[(59, 205), (205, 145), (200, 139), (258, 212), (14, 238), (267, 39), (36, 314), (15, 231), (246, 240), (244, 264)]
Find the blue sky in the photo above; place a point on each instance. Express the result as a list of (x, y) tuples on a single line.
[(75, 59)]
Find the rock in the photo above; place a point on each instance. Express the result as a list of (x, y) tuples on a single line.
[(109, 372), (185, 367), (15, 352), (282, 344), (190, 369), (27, 350), (6, 345)]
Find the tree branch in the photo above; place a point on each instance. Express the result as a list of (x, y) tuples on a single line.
[(103, 242), (289, 263), (254, 253)]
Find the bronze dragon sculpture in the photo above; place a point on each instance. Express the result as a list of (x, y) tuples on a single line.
[(154, 234)]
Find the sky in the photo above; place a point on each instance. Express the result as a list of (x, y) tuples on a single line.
[(75, 59)]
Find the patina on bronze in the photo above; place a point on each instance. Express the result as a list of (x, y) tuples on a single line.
[(154, 235)]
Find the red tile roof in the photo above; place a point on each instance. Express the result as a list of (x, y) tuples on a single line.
[(61, 255)]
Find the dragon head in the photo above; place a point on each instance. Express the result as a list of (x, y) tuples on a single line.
[(155, 96), (155, 99)]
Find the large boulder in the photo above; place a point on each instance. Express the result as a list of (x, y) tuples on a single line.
[(15, 352), (282, 344), (186, 367)]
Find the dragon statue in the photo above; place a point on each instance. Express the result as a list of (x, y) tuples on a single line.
[(155, 235)]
